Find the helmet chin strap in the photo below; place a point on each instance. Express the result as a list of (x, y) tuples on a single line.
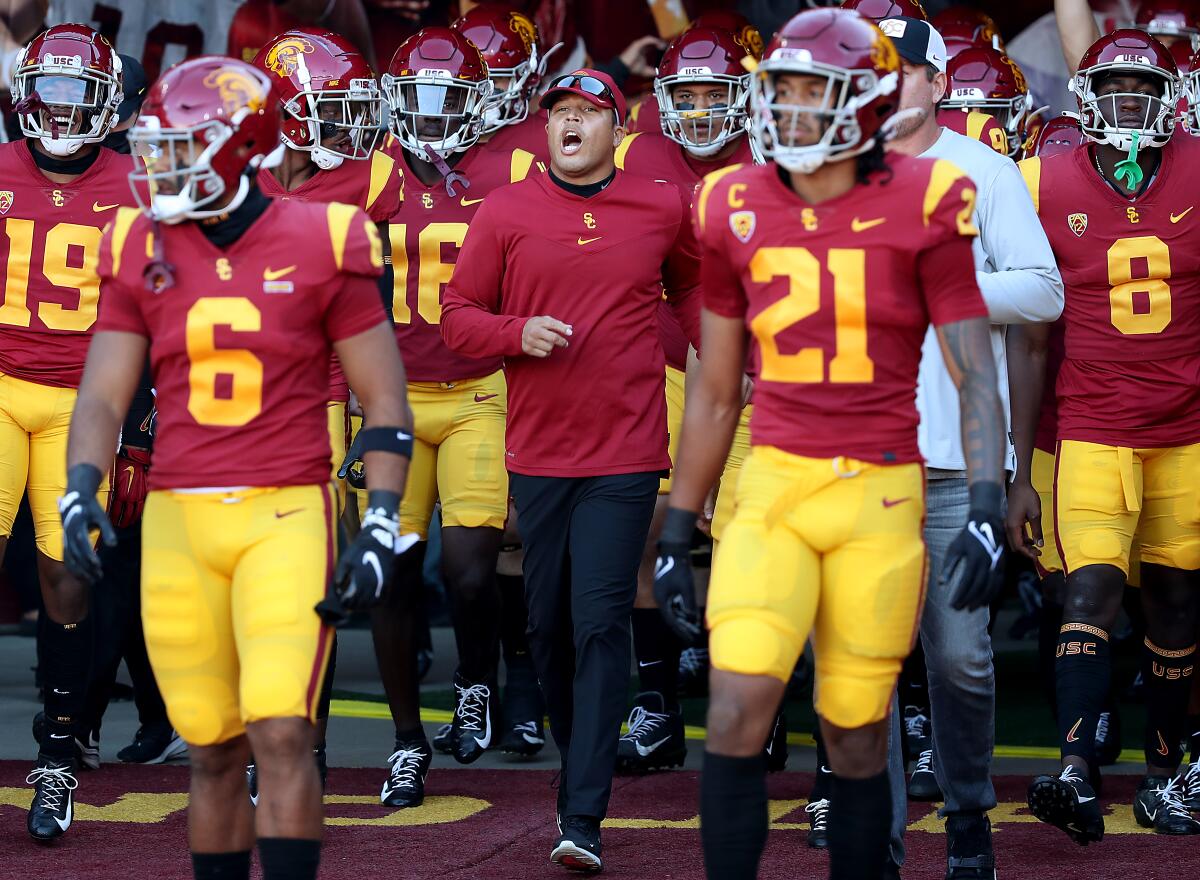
[(60, 147), (708, 150), (324, 159)]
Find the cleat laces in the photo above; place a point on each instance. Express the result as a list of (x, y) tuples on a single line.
[(819, 810), (642, 722), (914, 725), (924, 762), (472, 703), (52, 783), (406, 767)]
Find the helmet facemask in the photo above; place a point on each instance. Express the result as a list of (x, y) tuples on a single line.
[(1010, 113), (65, 105), (1157, 116), (703, 132), (510, 105), (434, 109)]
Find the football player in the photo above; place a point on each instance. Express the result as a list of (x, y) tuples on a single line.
[(59, 188), (829, 504), (962, 27), (331, 110), (239, 531), (1118, 214), (437, 88), (701, 92), (987, 80), (1169, 22)]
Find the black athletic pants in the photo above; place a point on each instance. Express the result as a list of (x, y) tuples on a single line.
[(583, 540)]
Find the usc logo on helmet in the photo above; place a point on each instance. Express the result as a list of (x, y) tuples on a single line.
[(751, 40), (236, 89), (1017, 74), (523, 28), (883, 53), (284, 57)]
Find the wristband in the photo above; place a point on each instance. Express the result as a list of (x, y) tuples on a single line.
[(382, 499), (678, 526), (394, 440), (84, 479), (986, 496)]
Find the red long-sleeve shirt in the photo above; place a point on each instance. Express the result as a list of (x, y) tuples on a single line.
[(600, 264)]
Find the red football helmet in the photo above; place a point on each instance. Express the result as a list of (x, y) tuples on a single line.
[(744, 33), (437, 88), (712, 57), (862, 72), (1059, 135), (194, 121), (1126, 52), (66, 88), (1170, 21), (509, 43), (987, 80), (962, 27), (331, 103), (1189, 70), (878, 10)]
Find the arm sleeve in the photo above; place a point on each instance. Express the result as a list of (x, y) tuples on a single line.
[(120, 307), (946, 267), (681, 275), (723, 295), (471, 324), (1023, 285)]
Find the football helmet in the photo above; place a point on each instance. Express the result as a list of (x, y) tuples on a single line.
[(878, 10), (1189, 72), (744, 33), (509, 44), (436, 88), (66, 88), (1170, 21), (195, 120), (987, 80), (862, 72), (703, 55), (1127, 52), (331, 105), (962, 27), (1059, 135)]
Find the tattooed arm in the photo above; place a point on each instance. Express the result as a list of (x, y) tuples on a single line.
[(967, 350)]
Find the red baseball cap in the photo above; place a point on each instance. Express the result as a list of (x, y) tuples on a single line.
[(595, 85)]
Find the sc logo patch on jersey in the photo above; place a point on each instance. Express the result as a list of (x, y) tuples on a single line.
[(743, 223)]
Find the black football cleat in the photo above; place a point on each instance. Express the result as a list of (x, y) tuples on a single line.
[(818, 823), (443, 742), (1191, 786), (53, 804), (1159, 804), (524, 739), (578, 845), (654, 740), (153, 744), (471, 734), (1068, 802), (252, 782), (87, 744), (918, 735), (969, 854), (776, 749), (405, 785), (693, 672)]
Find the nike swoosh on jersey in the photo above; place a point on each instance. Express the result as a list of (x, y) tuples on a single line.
[(1175, 218), (97, 208), (583, 240), (274, 274), (857, 225), (466, 203)]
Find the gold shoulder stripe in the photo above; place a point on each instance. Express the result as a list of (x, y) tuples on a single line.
[(339, 217), (383, 166), (1031, 172), (710, 181), (623, 149), (519, 165), (121, 225), (976, 122), (943, 176)]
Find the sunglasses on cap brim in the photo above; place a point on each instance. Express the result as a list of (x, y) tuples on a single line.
[(589, 84)]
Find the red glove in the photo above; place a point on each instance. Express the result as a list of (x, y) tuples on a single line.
[(130, 477)]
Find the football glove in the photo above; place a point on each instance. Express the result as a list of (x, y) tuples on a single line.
[(674, 588), (130, 474), (81, 514), (353, 471), (973, 570)]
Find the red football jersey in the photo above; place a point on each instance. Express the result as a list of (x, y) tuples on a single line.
[(980, 126), (529, 136), (427, 233), (838, 297), (644, 116), (376, 185), (660, 158), (599, 264), (1131, 269), (1045, 437), (50, 247), (240, 343)]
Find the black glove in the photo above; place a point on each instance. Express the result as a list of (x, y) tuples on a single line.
[(974, 565), (674, 589), (352, 470), (81, 513), (364, 569)]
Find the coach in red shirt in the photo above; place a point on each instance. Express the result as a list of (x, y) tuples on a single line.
[(561, 274)]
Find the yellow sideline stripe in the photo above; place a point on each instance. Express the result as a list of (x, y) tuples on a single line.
[(367, 709)]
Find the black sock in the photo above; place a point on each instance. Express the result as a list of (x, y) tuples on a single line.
[(289, 858), (860, 824), (66, 662), (221, 866), (514, 617), (413, 735), (657, 652), (327, 682), (1168, 678), (1049, 625), (733, 815), (1082, 673), (821, 781)]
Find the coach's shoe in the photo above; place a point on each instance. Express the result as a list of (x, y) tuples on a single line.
[(1108, 737), (1158, 804), (87, 745), (693, 672), (1069, 802), (655, 737), (252, 782), (776, 749), (818, 824), (969, 854), (405, 785), (443, 739), (1191, 786), (472, 733), (153, 744), (578, 845), (53, 803)]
